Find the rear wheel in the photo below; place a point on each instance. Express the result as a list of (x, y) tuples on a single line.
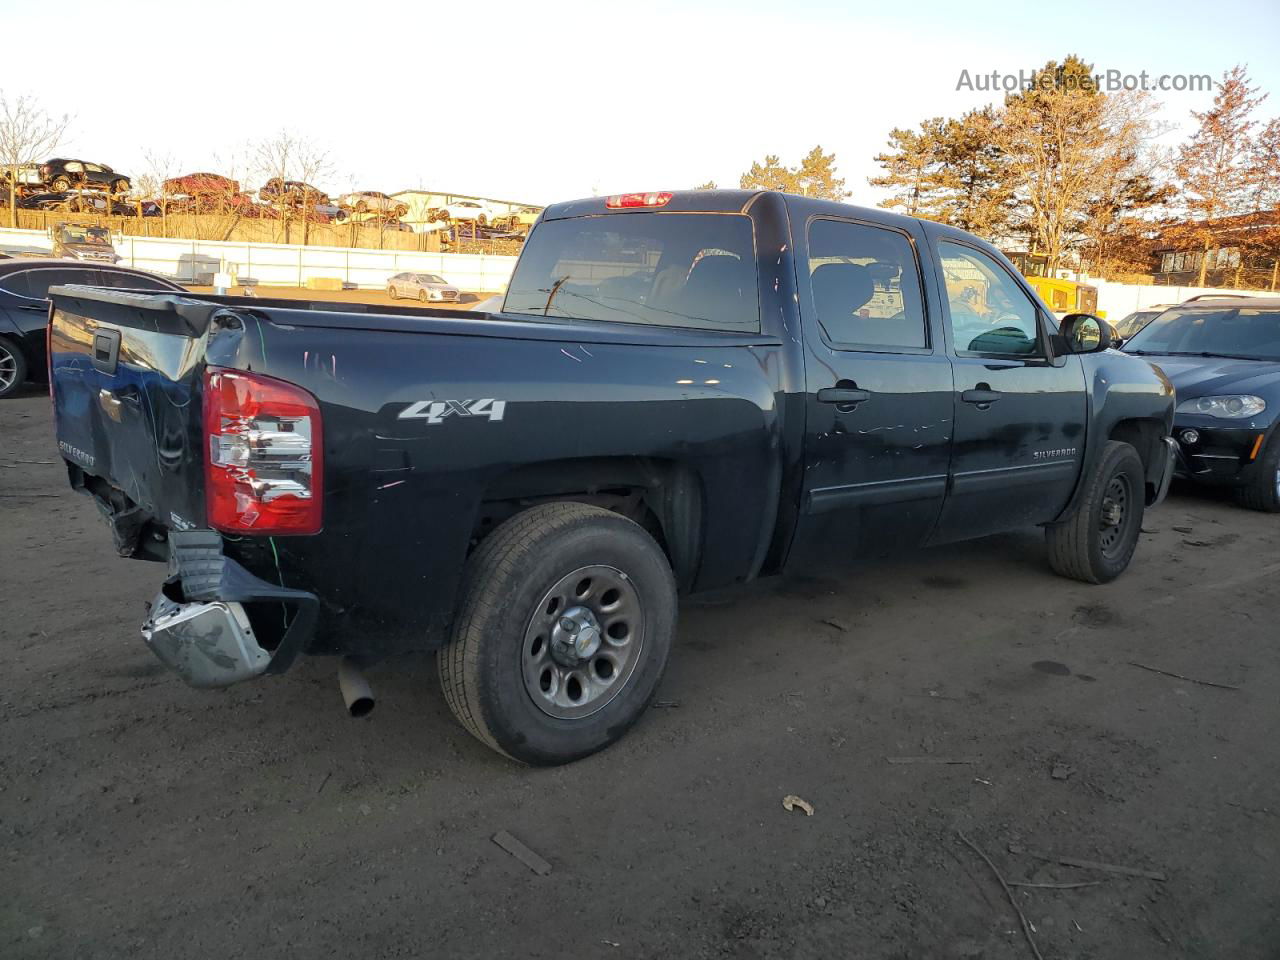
[(482, 219), (566, 621), (120, 186), (13, 368), (1264, 492), (1097, 542)]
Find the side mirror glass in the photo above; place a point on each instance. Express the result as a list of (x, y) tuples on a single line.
[(1085, 333)]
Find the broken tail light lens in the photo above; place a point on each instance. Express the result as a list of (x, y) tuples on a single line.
[(638, 200), (264, 467)]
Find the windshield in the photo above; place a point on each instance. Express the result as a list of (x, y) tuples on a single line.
[(429, 278), (668, 269), (85, 235), (1248, 333)]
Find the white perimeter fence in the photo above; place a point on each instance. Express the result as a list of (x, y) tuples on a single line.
[(283, 264), (1118, 300)]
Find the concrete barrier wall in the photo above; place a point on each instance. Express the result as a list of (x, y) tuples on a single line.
[(287, 264), (1118, 300)]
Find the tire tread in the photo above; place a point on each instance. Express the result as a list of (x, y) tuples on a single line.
[(498, 560)]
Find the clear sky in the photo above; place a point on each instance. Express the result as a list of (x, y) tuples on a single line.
[(549, 100)]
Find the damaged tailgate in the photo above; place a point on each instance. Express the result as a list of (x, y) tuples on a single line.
[(125, 373)]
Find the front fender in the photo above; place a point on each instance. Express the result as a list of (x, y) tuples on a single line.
[(1131, 399)]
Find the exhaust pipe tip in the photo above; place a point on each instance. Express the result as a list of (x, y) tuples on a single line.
[(356, 693)]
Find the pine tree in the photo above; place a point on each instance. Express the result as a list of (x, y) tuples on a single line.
[(816, 176), (770, 175), (910, 167), (1215, 166)]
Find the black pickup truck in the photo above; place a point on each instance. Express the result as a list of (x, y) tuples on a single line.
[(680, 392)]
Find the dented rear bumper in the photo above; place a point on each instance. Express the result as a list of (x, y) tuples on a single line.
[(216, 624)]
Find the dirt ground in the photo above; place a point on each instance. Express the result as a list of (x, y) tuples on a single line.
[(143, 819)]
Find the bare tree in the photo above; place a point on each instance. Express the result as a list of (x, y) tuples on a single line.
[(27, 135), (286, 157), (160, 170)]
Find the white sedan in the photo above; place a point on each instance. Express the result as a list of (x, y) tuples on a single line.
[(464, 210), (426, 287)]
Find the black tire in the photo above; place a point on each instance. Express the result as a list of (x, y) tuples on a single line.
[(506, 583), (482, 219), (422, 295), (1086, 546), (13, 368), (1263, 493), (120, 186), (60, 185), (391, 292)]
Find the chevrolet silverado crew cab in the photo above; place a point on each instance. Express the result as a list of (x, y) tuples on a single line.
[(680, 391)]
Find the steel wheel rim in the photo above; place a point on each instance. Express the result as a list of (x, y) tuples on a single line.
[(612, 601), (8, 368), (1114, 521)]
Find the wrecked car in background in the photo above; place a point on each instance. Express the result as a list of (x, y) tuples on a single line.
[(681, 391)]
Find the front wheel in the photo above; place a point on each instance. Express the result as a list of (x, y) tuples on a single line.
[(391, 292), (60, 185), (1097, 542), (1263, 493), (566, 621), (13, 368)]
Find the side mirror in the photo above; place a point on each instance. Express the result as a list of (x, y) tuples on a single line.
[(1085, 333)]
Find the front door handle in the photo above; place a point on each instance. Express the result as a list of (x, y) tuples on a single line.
[(982, 396), (843, 396)]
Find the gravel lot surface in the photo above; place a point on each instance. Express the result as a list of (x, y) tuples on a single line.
[(143, 819)]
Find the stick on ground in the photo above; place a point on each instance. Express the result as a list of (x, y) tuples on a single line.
[(1055, 886), (937, 760), (1022, 917), (1178, 676), (1089, 864)]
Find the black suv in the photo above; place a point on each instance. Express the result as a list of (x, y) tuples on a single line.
[(60, 175), (24, 311)]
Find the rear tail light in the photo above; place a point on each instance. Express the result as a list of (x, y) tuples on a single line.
[(638, 200), (264, 470)]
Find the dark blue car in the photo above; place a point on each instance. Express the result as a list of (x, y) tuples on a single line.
[(1223, 357), (24, 311)]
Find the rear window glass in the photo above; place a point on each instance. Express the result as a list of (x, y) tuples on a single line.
[(665, 269)]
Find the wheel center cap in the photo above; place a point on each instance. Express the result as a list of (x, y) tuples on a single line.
[(575, 637), (1110, 513)]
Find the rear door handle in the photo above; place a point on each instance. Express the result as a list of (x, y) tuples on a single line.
[(843, 395), (981, 396)]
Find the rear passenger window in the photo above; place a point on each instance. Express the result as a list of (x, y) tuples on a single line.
[(866, 286)]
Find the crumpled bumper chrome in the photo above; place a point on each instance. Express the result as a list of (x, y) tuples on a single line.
[(209, 644), (199, 624)]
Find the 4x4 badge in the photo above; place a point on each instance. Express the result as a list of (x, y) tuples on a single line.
[(434, 411)]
